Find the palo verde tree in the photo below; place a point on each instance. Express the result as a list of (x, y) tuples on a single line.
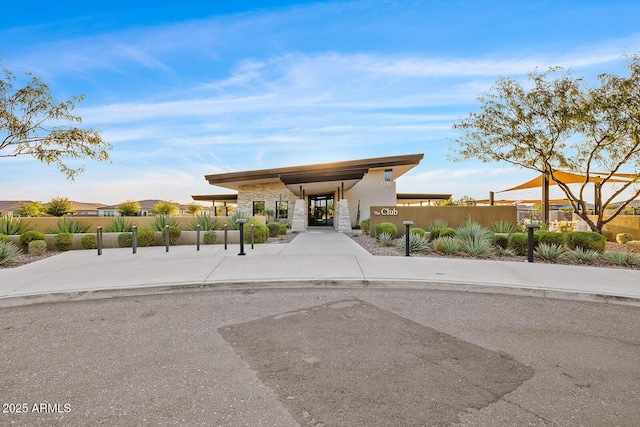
[(59, 206), (193, 208), (165, 207), (128, 208), (561, 124), (32, 124)]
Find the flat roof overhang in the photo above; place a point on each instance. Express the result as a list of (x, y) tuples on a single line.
[(322, 182), (329, 172), (233, 198)]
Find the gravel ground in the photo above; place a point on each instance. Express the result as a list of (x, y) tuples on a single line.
[(375, 248)]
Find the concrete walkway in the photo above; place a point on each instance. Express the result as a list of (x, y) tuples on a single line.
[(317, 258)]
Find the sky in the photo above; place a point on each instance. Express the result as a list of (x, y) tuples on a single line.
[(186, 89)]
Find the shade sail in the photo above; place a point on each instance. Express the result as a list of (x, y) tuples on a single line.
[(571, 178)]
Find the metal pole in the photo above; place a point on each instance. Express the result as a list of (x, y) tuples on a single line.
[(530, 229), (134, 238), (166, 237), (198, 237), (99, 236), (407, 224), (252, 234), (241, 221), (225, 236)]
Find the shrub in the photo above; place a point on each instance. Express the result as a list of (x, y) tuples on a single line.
[(627, 258), (275, 229), (633, 245), (549, 251), (501, 240), (37, 247), (209, 237), (417, 243), (623, 238), (582, 256), (90, 241), (63, 241), (549, 237), (174, 235), (260, 234), (385, 238), (29, 236), (147, 237), (448, 245), (586, 240), (125, 240), (503, 227), (519, 243), (365, 224), (437, 224), (386, 227), (5, 238), (442, 232), (11, 226), (608, 234), (8, 252), (68, 225), (416, 230), (207, 222), (118, 225)]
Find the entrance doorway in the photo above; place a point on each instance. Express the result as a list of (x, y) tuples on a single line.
[(321, 210)]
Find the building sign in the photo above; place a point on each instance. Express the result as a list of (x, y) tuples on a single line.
[(386, 212)]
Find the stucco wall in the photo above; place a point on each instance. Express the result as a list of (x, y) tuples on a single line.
[(454, 215), (623, 224), (372, 190)]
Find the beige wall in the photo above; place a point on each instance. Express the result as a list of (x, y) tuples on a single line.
[(268, 193), (44, 224), (454, 215), (623, 224), (373, 190)]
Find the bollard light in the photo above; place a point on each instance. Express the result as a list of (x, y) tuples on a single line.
[(134, 238), (99, 237), (407, 224), (241, 221), (530, 229), (253, 229), (198, 237), (166, 237), (226, 227)]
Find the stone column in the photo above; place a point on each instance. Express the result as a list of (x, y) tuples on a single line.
[(299, 222), (344, 220)]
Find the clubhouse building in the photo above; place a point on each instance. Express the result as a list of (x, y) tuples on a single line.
[(337, 194)]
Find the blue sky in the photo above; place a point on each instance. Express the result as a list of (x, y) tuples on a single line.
[(185, 89)]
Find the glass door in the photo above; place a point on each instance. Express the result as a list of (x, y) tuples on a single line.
[(321, 210)]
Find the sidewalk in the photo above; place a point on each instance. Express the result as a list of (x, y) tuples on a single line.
[(312, 259)]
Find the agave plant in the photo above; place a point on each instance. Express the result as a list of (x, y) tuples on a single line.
[(8, 252), (628, 258), (477, 246), (507, 252), (11, 226), (385, 238), (550, 251), (417, 243), (470, 230), (161, 221), (206, 222), (69, 225), (236, 215), (503, 227), (448, 245), (437, 224), (118, 225), (582, 256)]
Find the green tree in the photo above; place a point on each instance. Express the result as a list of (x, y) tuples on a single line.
[(33, 209), (561, 124), (128, 208), (193, 208), (59, 206), (31, 123), (165, 207)]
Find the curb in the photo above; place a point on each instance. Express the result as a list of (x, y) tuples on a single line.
[(162, 289)]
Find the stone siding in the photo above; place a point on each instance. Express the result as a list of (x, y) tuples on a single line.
[(269, 193)]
